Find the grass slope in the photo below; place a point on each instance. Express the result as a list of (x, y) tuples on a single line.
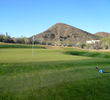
[(53, 75)]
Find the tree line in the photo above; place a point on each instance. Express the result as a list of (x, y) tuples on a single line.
[(103, 44), (21, 40)]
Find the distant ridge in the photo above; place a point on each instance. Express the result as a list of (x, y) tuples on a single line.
[(63, 34), (102, 34)]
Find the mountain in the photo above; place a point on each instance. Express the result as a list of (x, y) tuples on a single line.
[(63, 34), (102, 34)]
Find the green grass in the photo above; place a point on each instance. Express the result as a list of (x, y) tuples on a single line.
[(50, 74), (20, 46), (89, 54)]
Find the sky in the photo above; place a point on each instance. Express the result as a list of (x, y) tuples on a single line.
[(30, 17)]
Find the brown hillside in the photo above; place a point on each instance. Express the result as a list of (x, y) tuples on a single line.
[(63, 34), (102, 34)]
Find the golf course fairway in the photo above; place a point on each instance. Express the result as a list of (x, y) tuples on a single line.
[(53, 74)]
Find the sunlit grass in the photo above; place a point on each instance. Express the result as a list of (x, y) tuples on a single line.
[(53, 74)]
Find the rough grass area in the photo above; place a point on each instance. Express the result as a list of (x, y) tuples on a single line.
[(6, 45), (89, 54), (53, 74)]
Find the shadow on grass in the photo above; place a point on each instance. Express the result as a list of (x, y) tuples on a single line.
[(106, 72), (88, 54)]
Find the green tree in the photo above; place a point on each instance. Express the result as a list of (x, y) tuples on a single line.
[(105, 43)]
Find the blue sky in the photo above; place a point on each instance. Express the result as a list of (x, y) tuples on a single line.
[(29, 17)]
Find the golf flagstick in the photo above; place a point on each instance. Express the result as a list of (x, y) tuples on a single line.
[(33, 46)]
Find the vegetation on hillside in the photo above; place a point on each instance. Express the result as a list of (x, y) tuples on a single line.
[(105, 43), (102, 34), (64, 35)]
